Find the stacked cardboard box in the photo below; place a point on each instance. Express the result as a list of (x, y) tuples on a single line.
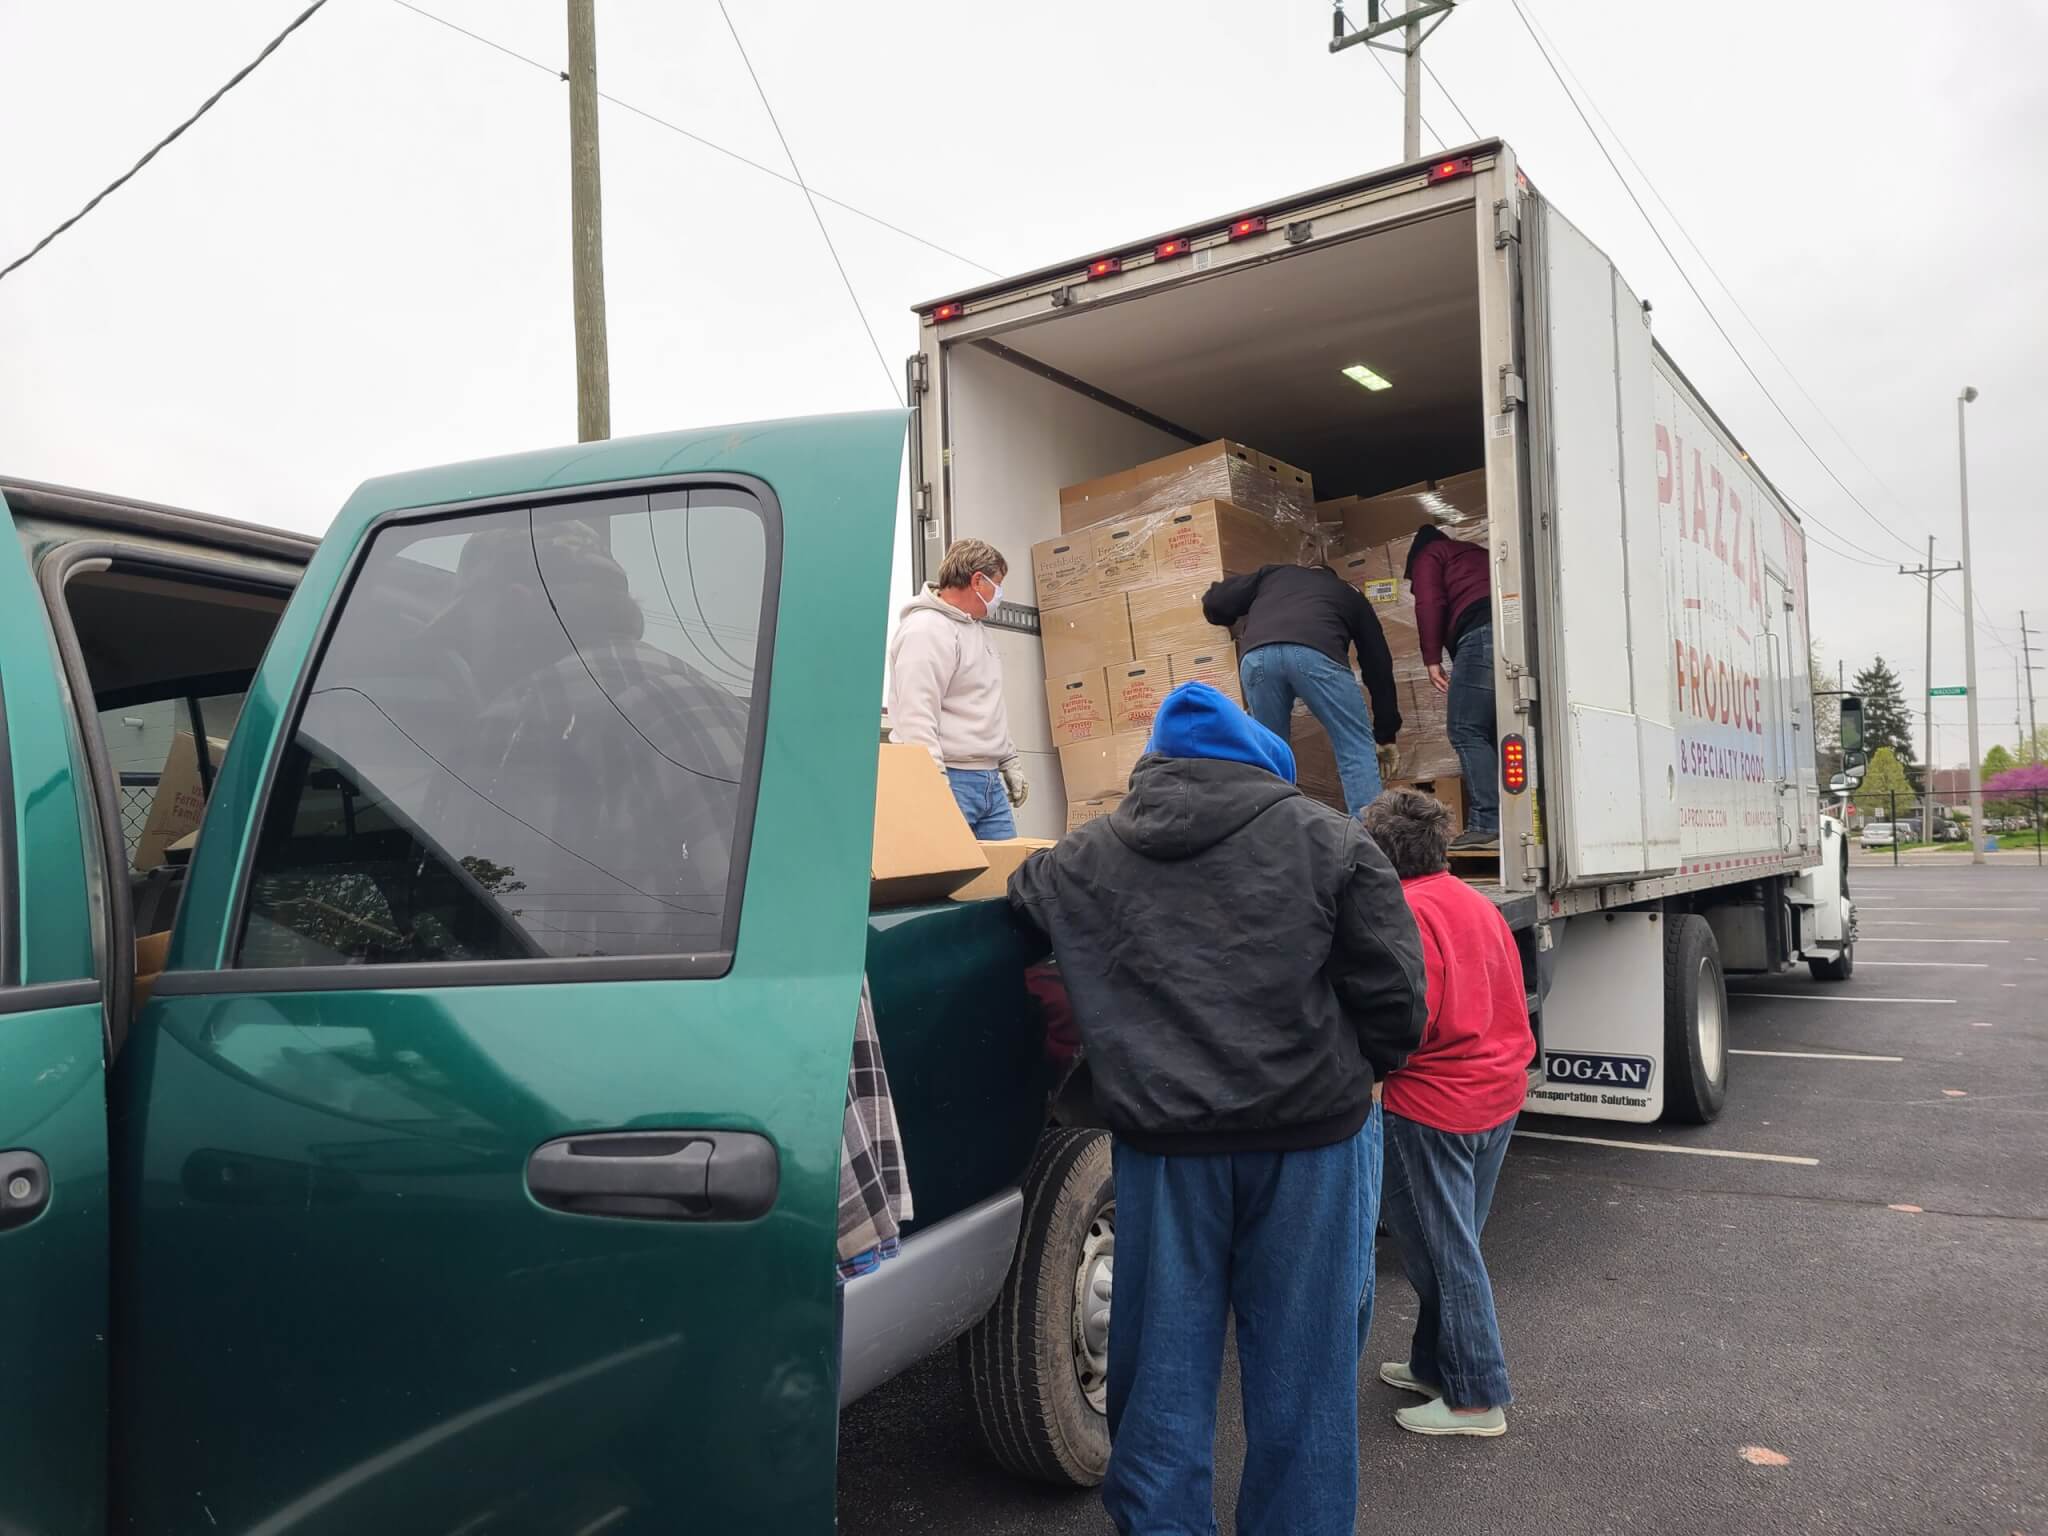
[(1081, 812), (1120, 595), (1219, 471)]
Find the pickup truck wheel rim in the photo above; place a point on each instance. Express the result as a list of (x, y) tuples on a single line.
[(1713, 1058), (1093, 1279)]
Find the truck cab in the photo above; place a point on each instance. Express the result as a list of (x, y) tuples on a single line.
[(428, 963)]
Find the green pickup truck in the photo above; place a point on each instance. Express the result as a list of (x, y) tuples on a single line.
[(448, 1139)]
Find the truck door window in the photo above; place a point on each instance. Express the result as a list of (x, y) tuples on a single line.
[(527, 738)]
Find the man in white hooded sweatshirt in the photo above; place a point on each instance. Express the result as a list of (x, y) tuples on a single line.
[(946, 687)]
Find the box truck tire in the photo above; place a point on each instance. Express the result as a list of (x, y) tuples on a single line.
[(1695, 1022), (1037, 1366)]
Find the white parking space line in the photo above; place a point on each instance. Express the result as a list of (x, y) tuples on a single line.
[(1941, 941), (1886, 922), (1889, 907), (1665, 1146), (1815, 1055), (1931, 965), (1828, 997)]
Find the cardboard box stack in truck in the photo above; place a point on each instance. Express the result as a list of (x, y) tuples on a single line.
[(1120, 597)]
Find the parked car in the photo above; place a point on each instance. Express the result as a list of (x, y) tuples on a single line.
[(1879, 834)]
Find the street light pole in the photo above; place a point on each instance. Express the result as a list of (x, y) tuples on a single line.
[(1970, 634)]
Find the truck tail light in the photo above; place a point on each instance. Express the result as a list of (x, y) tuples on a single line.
[(945, 312), (1514, 765), (1245, 228), (1167, 250), (1451, 170), (1108, 266)]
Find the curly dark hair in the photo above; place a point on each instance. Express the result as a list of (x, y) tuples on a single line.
[(1413, 831)]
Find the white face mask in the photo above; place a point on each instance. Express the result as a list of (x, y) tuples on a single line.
[(995, 601)]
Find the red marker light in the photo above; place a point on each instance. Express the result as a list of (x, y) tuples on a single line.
[(1109, 266), (1166, 250), (1514, 765), (1450, 170), (946, 312), (1256, 225)]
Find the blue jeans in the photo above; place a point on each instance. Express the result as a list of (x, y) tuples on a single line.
[(1284, 1241), (979, 794), (1469, 722), (1274, 676), (1439, 1189)]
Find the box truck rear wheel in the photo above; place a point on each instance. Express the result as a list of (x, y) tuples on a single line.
[(1695, 1021), (1037, 1366)]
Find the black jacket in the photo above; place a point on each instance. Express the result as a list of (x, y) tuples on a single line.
[(1240, 959), (1311, 605)]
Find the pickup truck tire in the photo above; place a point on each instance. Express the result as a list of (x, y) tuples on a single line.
[(1695, 1021), (1022, 1363)]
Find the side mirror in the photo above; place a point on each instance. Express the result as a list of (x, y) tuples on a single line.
[(1852, 726), (1839, 784)]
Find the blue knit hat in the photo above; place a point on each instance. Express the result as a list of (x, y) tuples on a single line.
[(1196, 720)]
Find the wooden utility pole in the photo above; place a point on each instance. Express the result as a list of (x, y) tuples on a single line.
[(586, 230)]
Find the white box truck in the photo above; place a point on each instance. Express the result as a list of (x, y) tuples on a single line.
[(1659, 821)]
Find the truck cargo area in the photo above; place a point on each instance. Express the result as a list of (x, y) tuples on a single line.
[(1256, 354)]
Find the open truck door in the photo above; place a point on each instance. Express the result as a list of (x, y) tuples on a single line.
[(484, 1126), (1609, 712), (53, 1107)]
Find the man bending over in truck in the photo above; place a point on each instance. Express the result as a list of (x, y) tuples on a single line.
[(1242, 968), (946, 687), (1300, 625), (1454, 612), (1450, 1111)]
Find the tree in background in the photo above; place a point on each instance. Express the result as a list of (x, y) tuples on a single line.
[(1827, 718), (1998, 761), (1887, 723), (1885, 787)]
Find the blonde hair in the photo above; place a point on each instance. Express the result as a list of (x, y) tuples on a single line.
[(967, 559)]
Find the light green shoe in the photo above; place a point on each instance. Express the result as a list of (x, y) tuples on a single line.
[(1436, 1418), (1395, 1373)]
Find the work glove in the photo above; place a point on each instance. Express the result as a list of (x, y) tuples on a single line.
[(1390, 760), (1014, 783)]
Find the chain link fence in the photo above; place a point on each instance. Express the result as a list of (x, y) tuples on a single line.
[(1943, 822), (138, 794)]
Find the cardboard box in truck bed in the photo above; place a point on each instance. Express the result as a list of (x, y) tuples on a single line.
[(1212, 538), (1219, 471), (1003, 855), (923, 850), (1122, 554), (1063, 572)]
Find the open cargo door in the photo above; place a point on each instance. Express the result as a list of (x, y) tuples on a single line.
[(1610, 762)]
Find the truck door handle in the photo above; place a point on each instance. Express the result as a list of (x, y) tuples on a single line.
[(24, 1188), (658, 1175)]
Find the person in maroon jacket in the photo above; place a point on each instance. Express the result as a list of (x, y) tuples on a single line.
[(1449, 1111), (1454, 613)]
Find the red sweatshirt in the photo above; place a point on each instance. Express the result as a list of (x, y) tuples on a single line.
[(1471, 1070)]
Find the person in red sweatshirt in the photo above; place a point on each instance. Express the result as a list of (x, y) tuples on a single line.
[(1449, 1112), (1453, 591)]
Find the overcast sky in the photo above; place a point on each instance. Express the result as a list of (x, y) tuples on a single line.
[(359, 261)]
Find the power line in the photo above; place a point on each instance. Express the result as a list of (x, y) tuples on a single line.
[(887, 372), (1705, 261), (161, 144), (711, 144), (1388, 75), (1686, 278), (1445, 92)]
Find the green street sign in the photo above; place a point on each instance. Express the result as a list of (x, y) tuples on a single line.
[(1948, 693)]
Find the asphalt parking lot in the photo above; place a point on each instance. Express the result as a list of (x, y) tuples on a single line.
[(1862, 1291)]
